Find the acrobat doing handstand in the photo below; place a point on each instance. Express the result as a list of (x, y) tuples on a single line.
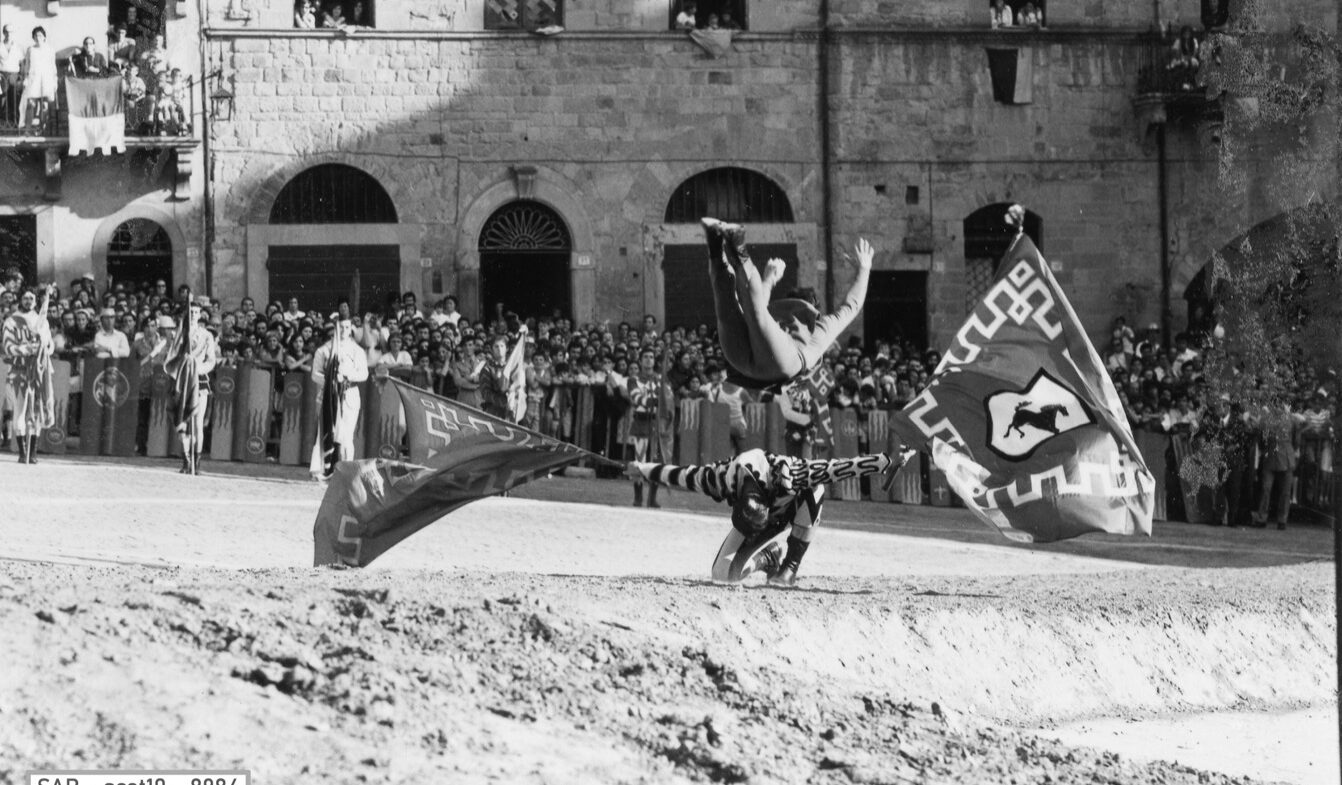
[(774, 342)]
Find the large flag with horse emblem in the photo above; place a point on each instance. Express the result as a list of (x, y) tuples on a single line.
[(97, 115), (1023, 419), (458, 455)]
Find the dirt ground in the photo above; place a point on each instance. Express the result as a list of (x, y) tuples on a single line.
[(157, 621)]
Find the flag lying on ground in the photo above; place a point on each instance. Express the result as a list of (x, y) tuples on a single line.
[(97, 115), (458, 455), (1025, 422)]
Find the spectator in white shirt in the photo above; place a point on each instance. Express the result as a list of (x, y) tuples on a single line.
[(292, 315), (1001, 14), (394, 357), (450, 314), (685, 20), (109, 341), (11, 64)]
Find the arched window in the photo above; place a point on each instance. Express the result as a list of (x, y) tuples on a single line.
[(729, 194), (525, 226), (140, 253), (333, 194), (987, 237)]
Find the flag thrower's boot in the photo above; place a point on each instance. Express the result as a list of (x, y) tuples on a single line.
[(32, 449), (22, 441), (652, 495), (195, 463), (638, 494)]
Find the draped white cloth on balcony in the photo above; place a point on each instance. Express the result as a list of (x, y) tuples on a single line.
[(97, 115)]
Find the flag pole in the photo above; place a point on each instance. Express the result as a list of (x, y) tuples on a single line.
[(190, 445)]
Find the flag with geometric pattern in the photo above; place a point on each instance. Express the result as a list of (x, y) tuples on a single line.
[(1023, 419), (458, 455)]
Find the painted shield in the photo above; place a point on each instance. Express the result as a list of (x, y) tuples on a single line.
[(1020, 421)]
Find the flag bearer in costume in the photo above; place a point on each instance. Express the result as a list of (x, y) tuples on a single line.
[(191, 359), (768, 493), (27, 345), (772, 342), (338, 367)]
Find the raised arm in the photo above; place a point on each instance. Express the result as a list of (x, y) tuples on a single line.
[(801, 474), (710, 479)]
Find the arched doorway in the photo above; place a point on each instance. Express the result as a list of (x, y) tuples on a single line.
[(987, 237), (320, 275), (139, 254), (525, 249), (727, 193)]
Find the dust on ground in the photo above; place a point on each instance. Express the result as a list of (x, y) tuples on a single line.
[(516, 672)]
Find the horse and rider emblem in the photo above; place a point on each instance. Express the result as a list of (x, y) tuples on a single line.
[(1018, 422)]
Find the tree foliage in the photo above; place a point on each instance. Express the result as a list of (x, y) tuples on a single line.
[(1278, 289)]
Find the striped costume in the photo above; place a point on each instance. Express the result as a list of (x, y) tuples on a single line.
[(795, 489), (27, 346)]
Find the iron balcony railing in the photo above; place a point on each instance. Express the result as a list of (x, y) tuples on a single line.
[(147, 116)]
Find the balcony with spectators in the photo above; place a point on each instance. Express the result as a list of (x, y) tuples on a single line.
[(96, 108)]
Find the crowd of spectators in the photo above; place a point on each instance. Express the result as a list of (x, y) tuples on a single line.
[(311, 15), (1017, 14), (1162, 388), (157, 94), (690, 18)]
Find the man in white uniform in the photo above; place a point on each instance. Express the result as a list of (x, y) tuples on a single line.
[(338, 367)]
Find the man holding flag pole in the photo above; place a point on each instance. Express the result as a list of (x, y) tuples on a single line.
[(1023, 419), (338, 367), (191, 358)]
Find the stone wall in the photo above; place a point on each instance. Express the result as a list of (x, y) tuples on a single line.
[(788, 15), (613, 123)]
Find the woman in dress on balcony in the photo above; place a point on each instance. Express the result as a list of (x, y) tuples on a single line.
[(39, 81)]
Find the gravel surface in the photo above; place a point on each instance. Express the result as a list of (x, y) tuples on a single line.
[(347, 676), (599, 654)]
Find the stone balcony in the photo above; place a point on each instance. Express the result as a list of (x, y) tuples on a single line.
[(46, 138), (1170, 91)]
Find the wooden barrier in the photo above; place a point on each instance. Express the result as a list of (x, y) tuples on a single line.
[(583, 412), (224, 411), (687, 432), (938, 489), (756, 415), (715, 434), (53, 436), (308, 436), (775, 429), (111, 406), (907, 487), (845, 446), (292, 412), (1152, 446), (4, 392), (387, 421), (252, 409), (160, 428), (122, 415)]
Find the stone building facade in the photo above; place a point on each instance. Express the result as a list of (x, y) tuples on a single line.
[(76, 210), (438, 151)]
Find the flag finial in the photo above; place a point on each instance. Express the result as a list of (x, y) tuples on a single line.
[(1015, 217)]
